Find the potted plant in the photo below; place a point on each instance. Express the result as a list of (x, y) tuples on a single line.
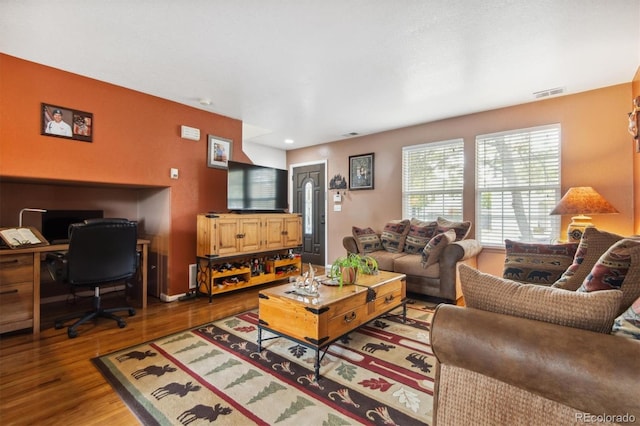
[(347, 268)]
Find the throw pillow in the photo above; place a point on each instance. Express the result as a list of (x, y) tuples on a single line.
[(461, 228), (537, 263), (590, 311), (419, 235), (618, 268), (628, 323), (592, 244), (367, 240), (435, 246), (394, 234)]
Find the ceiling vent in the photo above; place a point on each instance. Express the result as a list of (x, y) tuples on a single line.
[(351, 134), (548, 92)]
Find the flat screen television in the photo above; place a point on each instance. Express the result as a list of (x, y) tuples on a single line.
[(55, 223), (256, 189)]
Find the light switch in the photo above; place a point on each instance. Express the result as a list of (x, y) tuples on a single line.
[(174, 173), (337, 207)]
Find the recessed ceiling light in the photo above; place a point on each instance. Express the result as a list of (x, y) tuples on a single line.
[(205, 101), (288, 141), (351, 134)]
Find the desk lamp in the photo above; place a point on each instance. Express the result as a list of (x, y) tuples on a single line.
[(28, 210), (580, 201)]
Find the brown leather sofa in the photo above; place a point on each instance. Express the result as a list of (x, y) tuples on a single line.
[(440, 280), (498, 369)]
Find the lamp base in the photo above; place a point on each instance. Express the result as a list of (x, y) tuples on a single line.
[(577, 226)]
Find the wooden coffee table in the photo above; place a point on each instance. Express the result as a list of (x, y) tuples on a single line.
[(318, 321)]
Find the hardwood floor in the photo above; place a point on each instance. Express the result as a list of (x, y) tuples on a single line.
[(51, 380)]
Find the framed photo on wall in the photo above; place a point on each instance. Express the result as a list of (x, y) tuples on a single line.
[(67, 123), (219, 152), (361, 171)]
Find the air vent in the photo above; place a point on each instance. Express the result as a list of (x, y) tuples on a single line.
[(548, 92), (350, 134)]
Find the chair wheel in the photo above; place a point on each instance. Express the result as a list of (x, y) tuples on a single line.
[(122, 324), (72, 333), (132, 312)]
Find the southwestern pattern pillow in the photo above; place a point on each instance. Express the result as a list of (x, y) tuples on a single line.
[(419, 235), (592, 245), (548, 304), (433, 249), (618, 268), (537, 263), (628, 324), (461, 228), (367, 240), (394, 234)]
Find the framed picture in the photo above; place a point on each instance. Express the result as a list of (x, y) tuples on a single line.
[(67, 123), (219, 152), (361, 171)]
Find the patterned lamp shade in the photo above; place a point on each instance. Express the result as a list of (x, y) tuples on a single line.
[(581, 201)]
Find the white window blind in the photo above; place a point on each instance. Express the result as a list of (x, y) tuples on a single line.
[(517, 185), (432, 180)]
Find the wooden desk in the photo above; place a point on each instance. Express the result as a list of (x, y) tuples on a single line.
[(20, 285)]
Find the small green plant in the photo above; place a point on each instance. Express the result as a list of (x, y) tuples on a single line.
[(347, 268)]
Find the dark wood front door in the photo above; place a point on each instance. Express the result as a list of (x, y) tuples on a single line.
[(308, 200)]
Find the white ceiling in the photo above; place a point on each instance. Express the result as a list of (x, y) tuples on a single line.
[(315, 70)]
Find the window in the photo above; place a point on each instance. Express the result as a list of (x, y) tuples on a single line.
[(432, 180), (517, 185)]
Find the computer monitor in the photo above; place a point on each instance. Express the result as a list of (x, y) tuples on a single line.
[(55, 223)]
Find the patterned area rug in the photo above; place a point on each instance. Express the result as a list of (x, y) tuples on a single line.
[(382, 373)]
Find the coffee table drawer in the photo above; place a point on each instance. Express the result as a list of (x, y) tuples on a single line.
[(347, 321), (388, 296)]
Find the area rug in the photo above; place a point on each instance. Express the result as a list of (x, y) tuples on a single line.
[(382, 373)]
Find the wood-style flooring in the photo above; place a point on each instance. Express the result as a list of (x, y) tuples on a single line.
[(50, 380)]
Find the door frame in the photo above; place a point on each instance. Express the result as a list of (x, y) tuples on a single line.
[(326, 201)]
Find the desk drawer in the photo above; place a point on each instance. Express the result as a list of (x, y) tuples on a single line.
[(16, 268), (16, 305)]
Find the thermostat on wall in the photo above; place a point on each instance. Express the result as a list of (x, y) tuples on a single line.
[(191, 133)]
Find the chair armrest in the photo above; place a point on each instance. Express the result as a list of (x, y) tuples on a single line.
[(588, 371), (57, 265)]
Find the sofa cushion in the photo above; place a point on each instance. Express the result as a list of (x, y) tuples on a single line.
[(628, 323), (394, 234), (592, 244), (419, 235), (386, 259), (591, 311), (537, 263), (617, 268), (367, 240), (435, 247), (461, 228), (411, 264)]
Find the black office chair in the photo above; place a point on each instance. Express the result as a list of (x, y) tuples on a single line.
[(101, 251)]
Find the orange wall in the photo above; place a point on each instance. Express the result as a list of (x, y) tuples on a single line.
[(136, 141), (596, 151)]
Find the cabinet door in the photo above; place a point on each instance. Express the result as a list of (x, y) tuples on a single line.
[(274, 229), (250, 235), (292, 235), (228, 232)]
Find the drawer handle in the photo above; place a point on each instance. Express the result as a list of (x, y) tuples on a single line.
[(6, 262), (240, 235), (388, 299), (2, 293), (349, 318)]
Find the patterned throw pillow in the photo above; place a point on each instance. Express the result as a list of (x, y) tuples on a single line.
[(537, 263), (461, 228), (419, 235), (394, 234), (593, 243), (628, 323), (367, 240), (435, 246), (618, 268), (590, 311)]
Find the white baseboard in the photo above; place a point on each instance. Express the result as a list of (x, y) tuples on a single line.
[(172, 298)]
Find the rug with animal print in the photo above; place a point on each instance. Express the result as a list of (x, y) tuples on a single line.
[(381, 373)]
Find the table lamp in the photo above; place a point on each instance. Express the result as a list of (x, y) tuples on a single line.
[(28, 209), (580, 201)]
